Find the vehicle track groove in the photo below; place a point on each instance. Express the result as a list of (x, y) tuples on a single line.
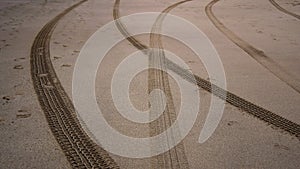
[(60, 113), (256, 54), (246, 106), (174, 158), (284, 10)]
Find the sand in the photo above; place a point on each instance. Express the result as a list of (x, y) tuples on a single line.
[(240, 140)]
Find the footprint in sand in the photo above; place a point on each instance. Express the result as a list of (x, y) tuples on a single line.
[(190, 61), (22, 114), (22, 58), (259, 31), (66, 65), (230, 123), (1, 119), (281, 147), (6, 100), (56, 57), (18, 67), (74, 52)]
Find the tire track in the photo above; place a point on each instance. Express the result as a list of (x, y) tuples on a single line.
[(284, 10), (79, 149), (250, 108), (256, 54), (175, 157)]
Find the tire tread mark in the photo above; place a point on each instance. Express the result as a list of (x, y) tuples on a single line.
[(175, 157), (256, 54), (250, 108), (283, 10), (60, 113)]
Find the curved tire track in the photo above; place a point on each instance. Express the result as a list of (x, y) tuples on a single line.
[(256, 54), (175, 157), (284, 10), (250, 108), (79, 149)]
